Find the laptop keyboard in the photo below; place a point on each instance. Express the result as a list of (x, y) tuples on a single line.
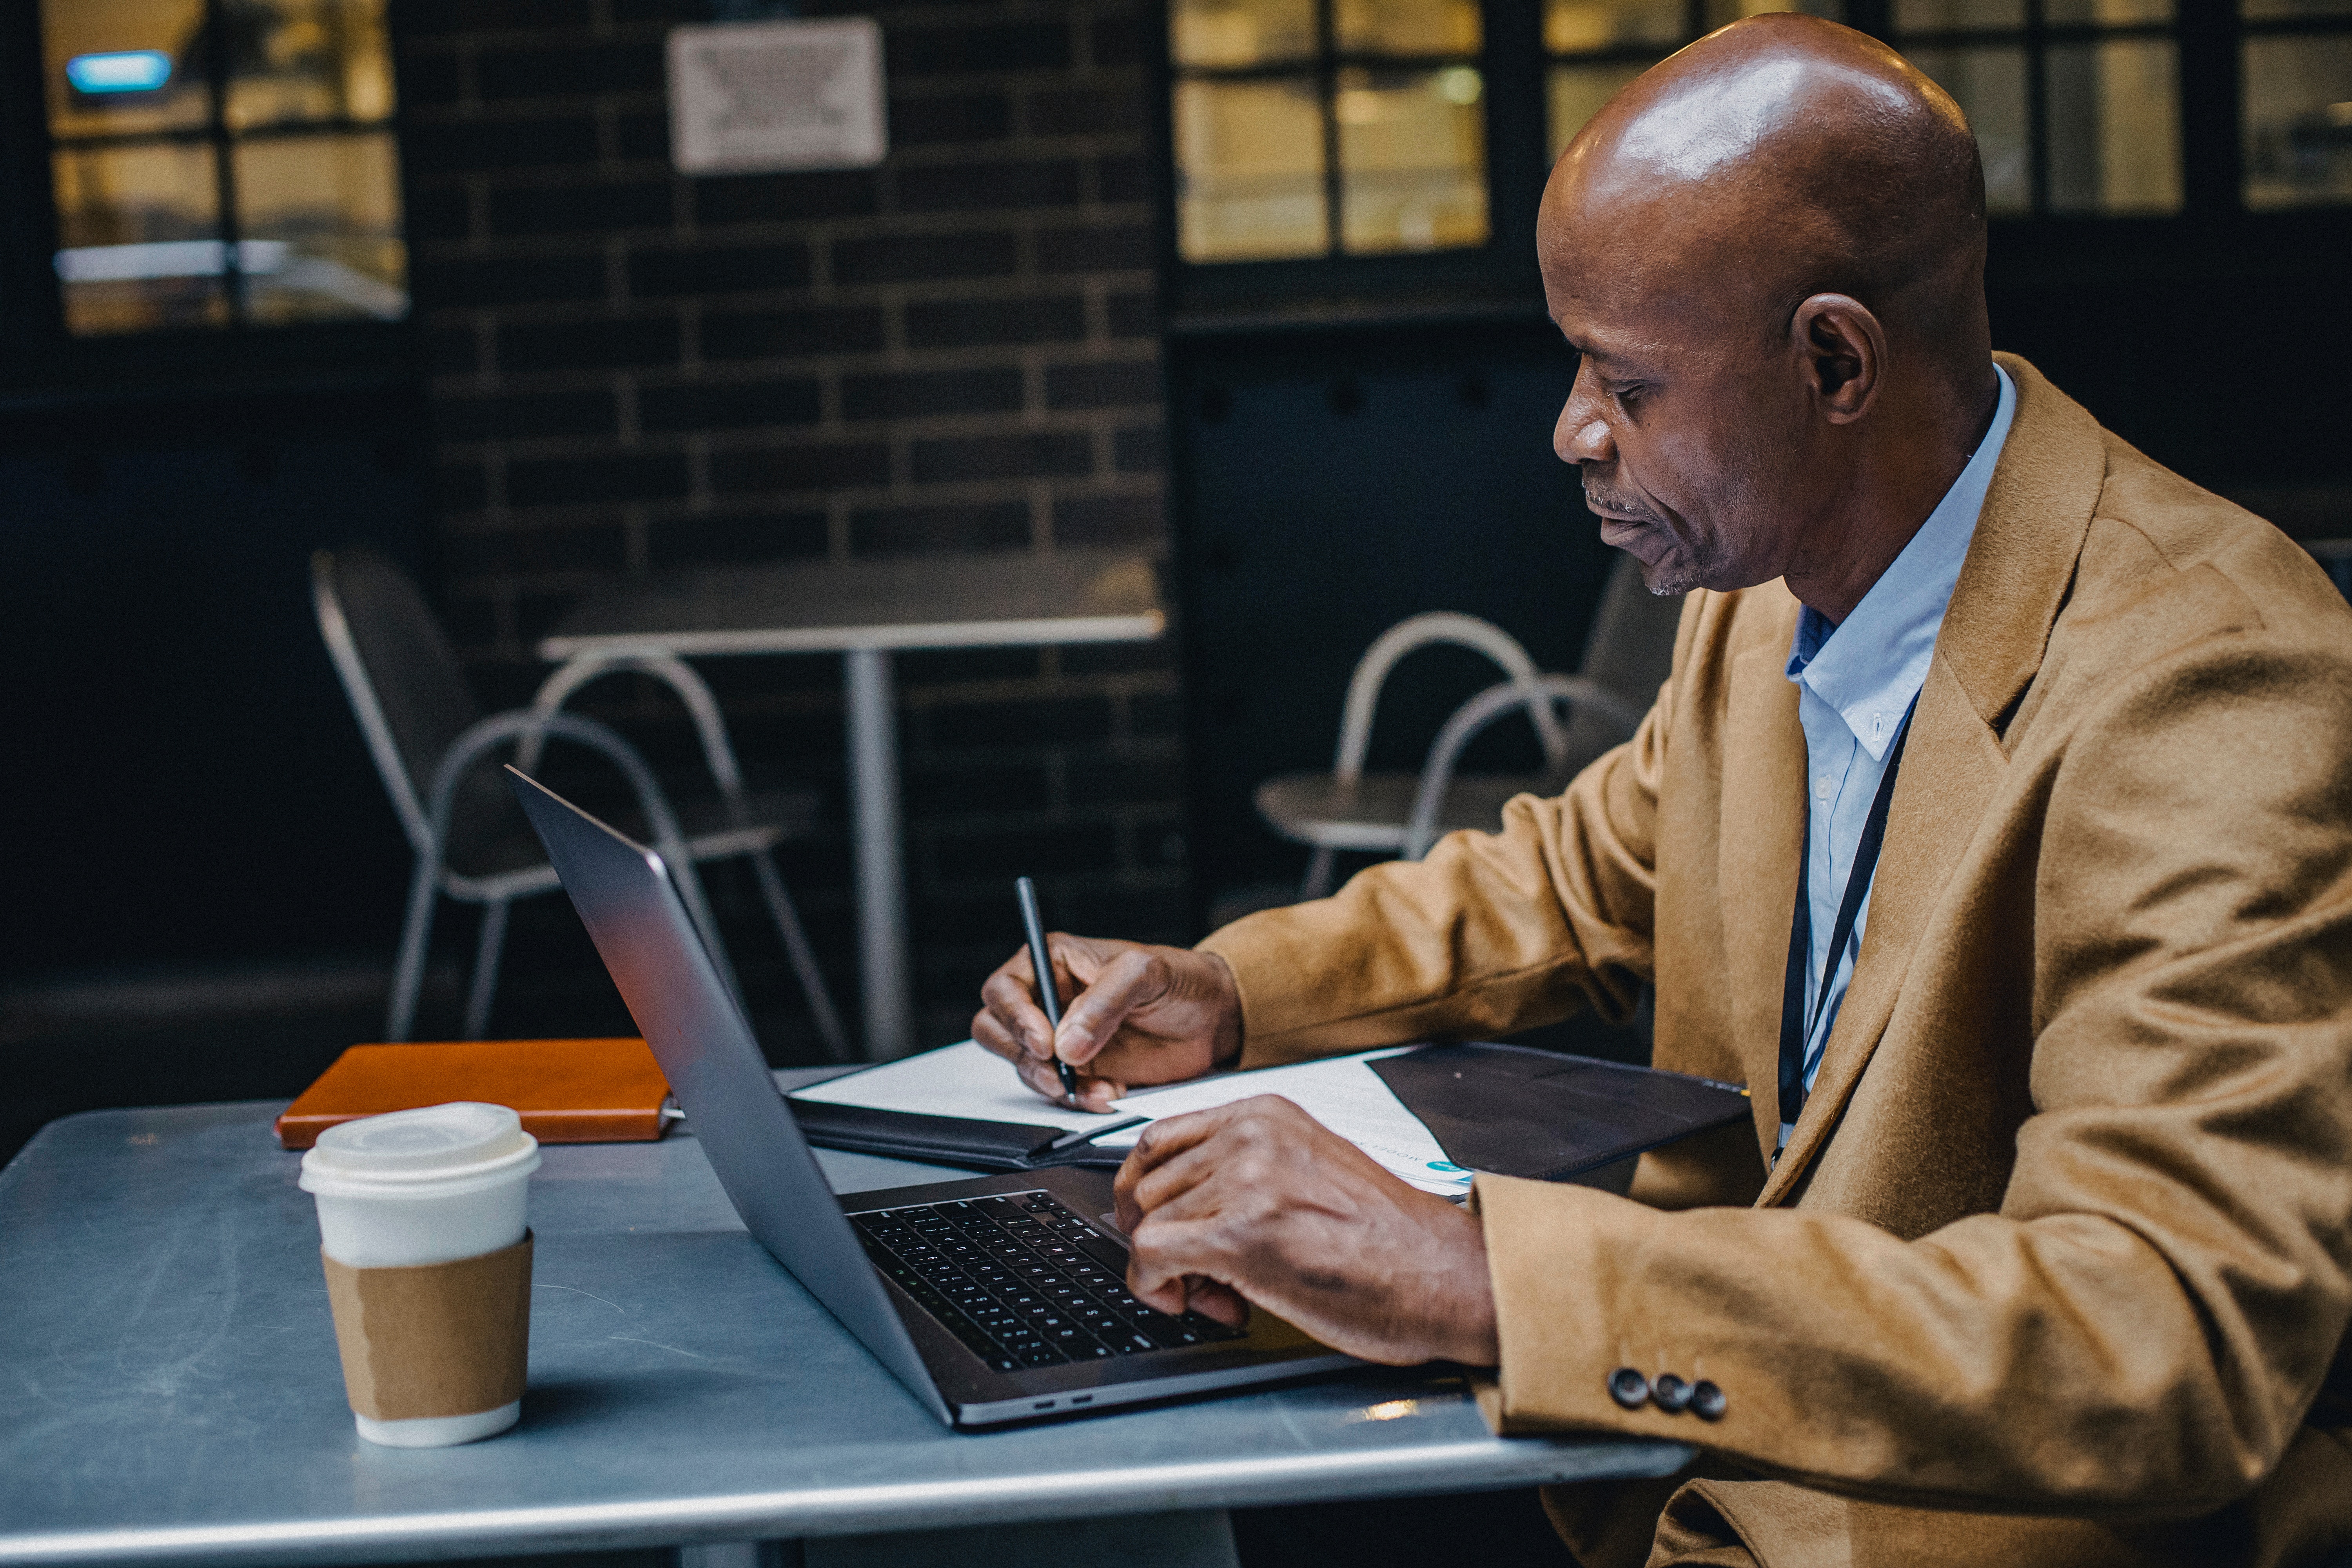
[(1023, 1281)]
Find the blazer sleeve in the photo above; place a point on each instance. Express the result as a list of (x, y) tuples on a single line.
[(2141, 1326), (1491, 933)]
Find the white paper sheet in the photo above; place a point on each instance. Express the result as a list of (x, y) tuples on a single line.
[(966, 1080), (1343, 1094)]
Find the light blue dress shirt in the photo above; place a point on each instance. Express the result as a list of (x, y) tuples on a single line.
[(1854, 681)]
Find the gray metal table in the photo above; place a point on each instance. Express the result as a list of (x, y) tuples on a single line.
[(865, 610), (169, 1391)]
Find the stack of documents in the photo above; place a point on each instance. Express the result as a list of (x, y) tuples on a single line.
[(1500, 1107)]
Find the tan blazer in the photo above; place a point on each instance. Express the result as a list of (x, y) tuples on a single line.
[(2059, 1256)]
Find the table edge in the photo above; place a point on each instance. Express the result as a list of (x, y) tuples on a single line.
[(847, 1510), (1032, 633)]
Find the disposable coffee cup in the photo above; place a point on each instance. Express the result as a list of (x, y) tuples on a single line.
[(422, 1232)]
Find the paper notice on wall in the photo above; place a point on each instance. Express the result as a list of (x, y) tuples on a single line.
[(758, 97)]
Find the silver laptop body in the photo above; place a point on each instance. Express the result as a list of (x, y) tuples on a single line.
[(886, 1263)]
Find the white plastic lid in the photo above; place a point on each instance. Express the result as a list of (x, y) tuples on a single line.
[(438, 1143)]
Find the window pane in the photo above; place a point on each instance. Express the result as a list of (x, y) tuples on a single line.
[(1249, 162), (2115, 127), (319, 217), (123, 66), (308, 60), (139, 238), (2266, 10), (1407, 26), (2107, 13), (1723, 13), (1956, 15), (1570, 26), (1240, 32), (2298, 132), (1579, 92), (1990, 86), (1412, 159)]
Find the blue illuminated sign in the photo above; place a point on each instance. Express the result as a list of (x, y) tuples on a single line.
[(129, 71)]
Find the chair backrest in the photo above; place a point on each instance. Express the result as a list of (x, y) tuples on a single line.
[(1421, 631), (403, 677), (1631, 649), (1597, 711)]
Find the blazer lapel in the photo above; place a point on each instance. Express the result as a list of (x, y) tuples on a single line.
[(2019, 568), (1761, 844)]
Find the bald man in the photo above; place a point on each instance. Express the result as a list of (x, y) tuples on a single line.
[(1995, 826)]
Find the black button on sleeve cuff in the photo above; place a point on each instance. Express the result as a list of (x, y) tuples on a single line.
[(1628, 1388), (1671, 1393), (1706, 1400)]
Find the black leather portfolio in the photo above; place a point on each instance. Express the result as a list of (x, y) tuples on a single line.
[(1505, 1108), (942, 1140), (1548, 1116)]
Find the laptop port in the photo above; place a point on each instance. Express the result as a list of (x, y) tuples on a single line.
[(1042, 1405)]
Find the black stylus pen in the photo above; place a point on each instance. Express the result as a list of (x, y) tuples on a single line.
[(1042, 962)]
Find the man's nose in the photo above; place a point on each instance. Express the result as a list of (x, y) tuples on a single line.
[(1582, 434)]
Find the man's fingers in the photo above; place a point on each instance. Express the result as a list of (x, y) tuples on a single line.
[(1131, 980), (1162, 1143), (1216, 1299), (1177, 1263), (1010, 998)]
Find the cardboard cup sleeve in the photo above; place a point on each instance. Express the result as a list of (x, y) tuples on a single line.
[(437, 1339)]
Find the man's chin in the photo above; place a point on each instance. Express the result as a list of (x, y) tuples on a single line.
[(1664, 571)]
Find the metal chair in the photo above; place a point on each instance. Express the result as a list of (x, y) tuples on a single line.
[(429, 743), (1442, 803), (1627, 654)]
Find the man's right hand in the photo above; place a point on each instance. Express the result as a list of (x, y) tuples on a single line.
[(1131, 1015)]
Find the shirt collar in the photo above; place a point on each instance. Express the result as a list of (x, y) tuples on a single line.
[(1870, 666)]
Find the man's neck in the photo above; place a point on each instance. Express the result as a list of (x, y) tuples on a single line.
[(1897, 488)]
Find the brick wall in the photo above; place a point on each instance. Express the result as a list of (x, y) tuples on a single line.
[(634, 370)]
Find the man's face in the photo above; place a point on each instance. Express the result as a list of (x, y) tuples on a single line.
[(1685, 415)]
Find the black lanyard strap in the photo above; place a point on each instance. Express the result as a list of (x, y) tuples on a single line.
[(1797, 1023)]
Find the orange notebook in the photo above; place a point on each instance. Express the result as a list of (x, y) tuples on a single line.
[(569, 1091)]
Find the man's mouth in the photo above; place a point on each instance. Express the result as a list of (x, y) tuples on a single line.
[(1609, 512)]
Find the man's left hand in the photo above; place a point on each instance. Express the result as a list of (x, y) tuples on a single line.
[(1257, 1202)]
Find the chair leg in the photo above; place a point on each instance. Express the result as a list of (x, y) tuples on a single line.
[(1319, 875), (487, 951), (796, 947), (416, 934)]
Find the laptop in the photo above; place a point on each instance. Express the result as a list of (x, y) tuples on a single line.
[(993, 1298)]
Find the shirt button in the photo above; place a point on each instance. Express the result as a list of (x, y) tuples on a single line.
[(1671, 1393), (1706, 1400)]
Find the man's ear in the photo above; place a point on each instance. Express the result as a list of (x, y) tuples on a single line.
[(1844, 353)]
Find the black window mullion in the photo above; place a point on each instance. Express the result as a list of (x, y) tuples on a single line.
[(1516, 107), (2211, 145), (2037, 110), (218, 62), (1326, 93), (1875, 18)]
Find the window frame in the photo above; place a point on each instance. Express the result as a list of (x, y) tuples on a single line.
[(42, 361), (1497, 275), (2213, 236)]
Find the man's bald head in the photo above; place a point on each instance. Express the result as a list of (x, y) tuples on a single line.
[(1768, 251), (1781, 157)]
